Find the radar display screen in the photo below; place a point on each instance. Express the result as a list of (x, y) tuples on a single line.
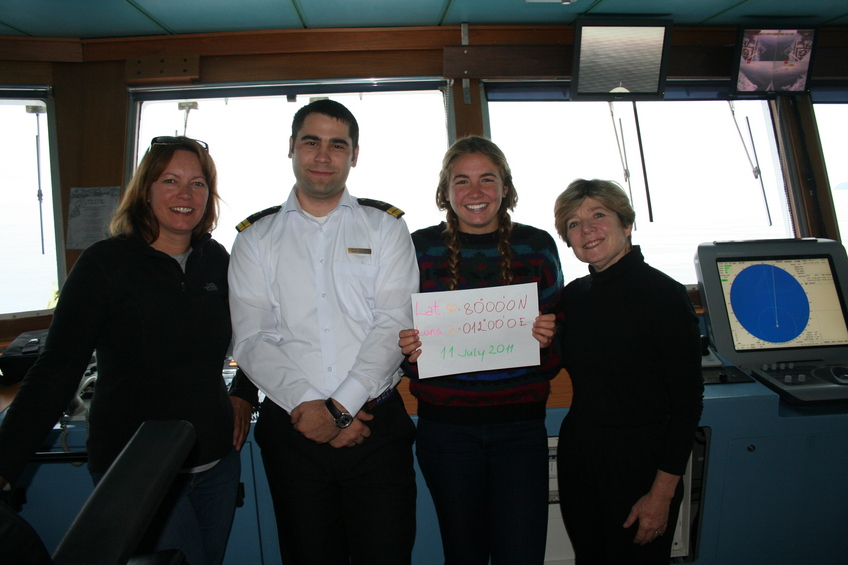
[(782, 303)]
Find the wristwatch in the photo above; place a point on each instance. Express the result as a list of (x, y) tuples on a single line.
[(343, 419)]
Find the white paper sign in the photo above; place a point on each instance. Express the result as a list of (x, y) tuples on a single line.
[(462, 331), (89, 214)]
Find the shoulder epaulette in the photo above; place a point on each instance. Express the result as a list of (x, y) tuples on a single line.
[(258, 215), (388, 208)]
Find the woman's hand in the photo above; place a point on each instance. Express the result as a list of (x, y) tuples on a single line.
[(651, 511), (409, 344), (242, 413), (544, 329)]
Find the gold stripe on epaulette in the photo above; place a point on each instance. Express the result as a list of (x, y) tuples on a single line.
[(385, 207), (244, 224)]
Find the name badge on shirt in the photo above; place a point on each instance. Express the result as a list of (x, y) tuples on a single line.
[(358, 251)]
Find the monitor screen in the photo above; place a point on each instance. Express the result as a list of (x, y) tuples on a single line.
[(773, 60), (776, 310), (782, 303), (779, 300), (620, 59)]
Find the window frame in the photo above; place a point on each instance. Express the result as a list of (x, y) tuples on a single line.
[(682, 92), (45, 95), (139, 95)]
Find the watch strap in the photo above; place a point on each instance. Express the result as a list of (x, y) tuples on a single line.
[(343, 419), (334, 411)]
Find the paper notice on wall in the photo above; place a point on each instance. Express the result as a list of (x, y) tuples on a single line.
[(89, 214)]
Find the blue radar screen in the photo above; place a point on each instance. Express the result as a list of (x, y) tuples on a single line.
[(770, 303)]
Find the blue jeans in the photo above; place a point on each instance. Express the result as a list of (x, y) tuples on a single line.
[(196, 514), (489, 485)]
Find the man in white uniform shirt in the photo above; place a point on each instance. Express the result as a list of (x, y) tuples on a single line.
[(319, 289)]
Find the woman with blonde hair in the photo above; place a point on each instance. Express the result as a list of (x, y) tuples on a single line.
[(631, 345)]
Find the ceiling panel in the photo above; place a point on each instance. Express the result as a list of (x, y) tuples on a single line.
[(76, 18), (682, 12), (512, 12), (198, 16), (6, 30), (371, 13), (126, 18), (783, 13)]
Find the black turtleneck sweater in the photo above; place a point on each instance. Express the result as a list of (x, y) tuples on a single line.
[(630, 343)]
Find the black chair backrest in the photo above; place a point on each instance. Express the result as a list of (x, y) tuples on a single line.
[(114, 518)]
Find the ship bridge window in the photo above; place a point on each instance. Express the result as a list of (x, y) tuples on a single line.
[(696, 170), (403, 137), (832, 123), (28, 229)]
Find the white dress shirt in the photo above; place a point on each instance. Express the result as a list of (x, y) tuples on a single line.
[(317, 306)]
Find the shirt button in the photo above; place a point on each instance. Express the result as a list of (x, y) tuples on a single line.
[(323, 295), (326, 330)]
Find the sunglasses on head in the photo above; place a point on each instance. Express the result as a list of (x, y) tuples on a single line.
[(172, 140)]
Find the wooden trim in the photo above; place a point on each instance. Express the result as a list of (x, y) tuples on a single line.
[(162, 68), (91, 114), (468, 118), (830, 62), (271, 42), (506, 61), (12, 328), (26, 72), (40, 49), (312, 66), (696, 52)]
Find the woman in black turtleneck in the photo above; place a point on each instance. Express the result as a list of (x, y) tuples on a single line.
[(630, 343)]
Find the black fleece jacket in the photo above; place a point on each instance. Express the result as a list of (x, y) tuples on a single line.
[(160, 335)]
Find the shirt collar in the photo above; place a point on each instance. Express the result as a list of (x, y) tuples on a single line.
[(293, 205)]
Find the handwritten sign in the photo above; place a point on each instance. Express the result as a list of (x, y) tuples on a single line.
[(463, 331)]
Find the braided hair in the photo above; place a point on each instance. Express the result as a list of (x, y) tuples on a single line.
[(467, 146)]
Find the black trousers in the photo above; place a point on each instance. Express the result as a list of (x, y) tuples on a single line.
[(349, 505), (601, 473)]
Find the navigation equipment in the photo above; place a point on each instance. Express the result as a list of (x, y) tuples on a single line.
[(776, 309)]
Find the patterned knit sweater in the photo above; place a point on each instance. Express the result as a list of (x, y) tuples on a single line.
[(504, 395)]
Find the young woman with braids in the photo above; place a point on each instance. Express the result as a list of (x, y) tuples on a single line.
[(482, 443)]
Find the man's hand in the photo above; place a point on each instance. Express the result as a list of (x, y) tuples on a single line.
[(409, 344), (314, 421), (242, 413), (355, 433)]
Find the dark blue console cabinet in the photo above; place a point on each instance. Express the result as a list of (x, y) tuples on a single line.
[(774, 488)]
